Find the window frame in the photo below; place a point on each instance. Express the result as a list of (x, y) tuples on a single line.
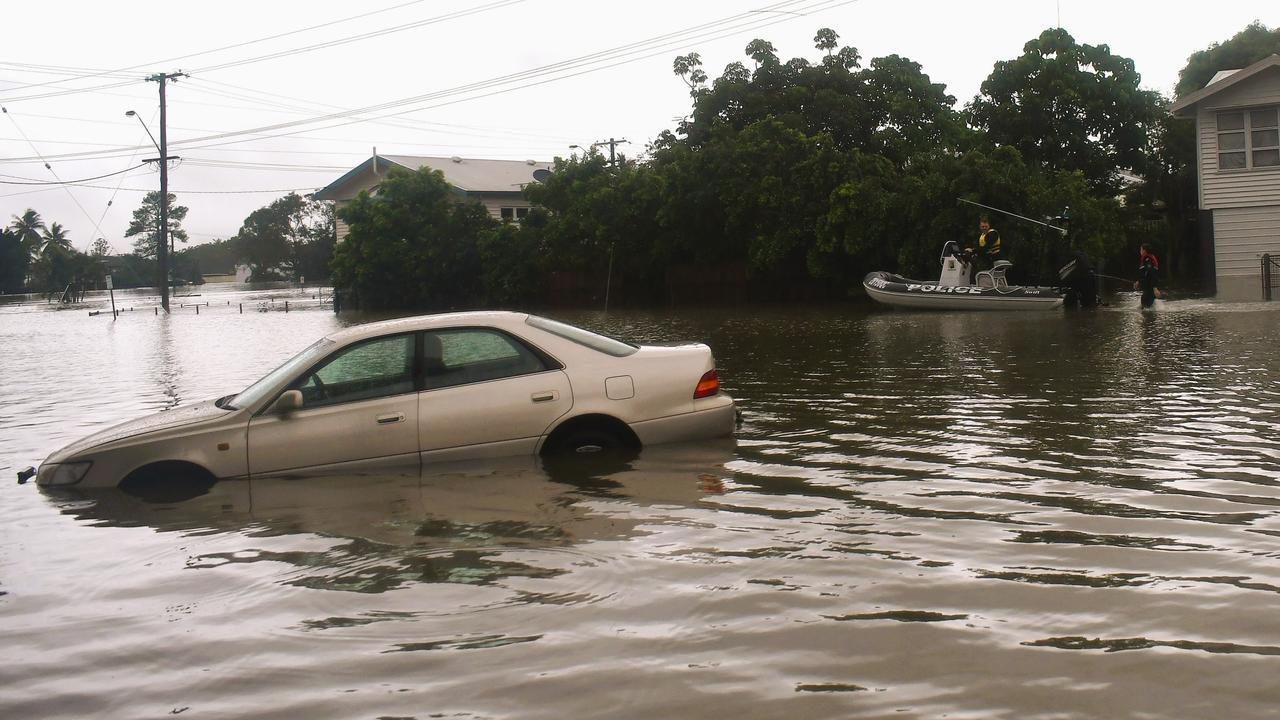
[(550, 363), (1246, 132), (514, 213), (313, 367)]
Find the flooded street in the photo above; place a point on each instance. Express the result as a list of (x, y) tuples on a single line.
[(1022, 515)]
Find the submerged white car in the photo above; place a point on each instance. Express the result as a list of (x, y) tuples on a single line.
[(439, 387)]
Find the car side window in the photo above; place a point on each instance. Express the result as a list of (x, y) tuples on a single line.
[(372, 369), (471, 355)]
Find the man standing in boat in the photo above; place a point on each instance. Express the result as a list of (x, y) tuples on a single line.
[(987, 250)]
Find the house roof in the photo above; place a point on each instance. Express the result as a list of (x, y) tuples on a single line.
[(1184, 107), (468, 175)]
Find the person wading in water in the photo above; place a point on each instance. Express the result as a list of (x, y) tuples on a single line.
[(1148, 276)]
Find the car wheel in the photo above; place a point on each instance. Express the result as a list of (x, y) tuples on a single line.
[(589, 441)]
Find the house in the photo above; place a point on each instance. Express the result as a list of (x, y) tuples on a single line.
[(241, 275), (1238, 167), (496, 184)]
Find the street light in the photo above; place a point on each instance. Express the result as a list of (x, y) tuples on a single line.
[(162, 231), (134, 114)]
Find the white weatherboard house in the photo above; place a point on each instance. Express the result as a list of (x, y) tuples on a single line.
[(496, 184), (1238, 160)]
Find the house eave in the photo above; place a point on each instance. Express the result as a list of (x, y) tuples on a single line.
[(1186, 106)]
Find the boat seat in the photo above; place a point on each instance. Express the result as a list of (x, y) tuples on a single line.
[(994, 278)]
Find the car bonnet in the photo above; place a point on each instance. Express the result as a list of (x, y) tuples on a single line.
[(164, 420)]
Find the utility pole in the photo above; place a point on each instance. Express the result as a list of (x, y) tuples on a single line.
[(613, 145), (162, 241)]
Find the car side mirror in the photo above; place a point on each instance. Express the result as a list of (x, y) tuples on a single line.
[(288, 401)]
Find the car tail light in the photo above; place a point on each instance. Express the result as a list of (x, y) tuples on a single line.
[(709, 385)]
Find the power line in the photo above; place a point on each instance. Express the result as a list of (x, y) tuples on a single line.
[(270, 56), (88, 73), (174, 191), (49, 167), (593, 62), (651, 51), (614, 57), (363, 36), (73, 182)]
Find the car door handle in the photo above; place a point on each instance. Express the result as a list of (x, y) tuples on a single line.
[(544, 396), (390, 418)]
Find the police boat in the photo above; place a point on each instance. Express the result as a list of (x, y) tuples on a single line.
[(954, 291)]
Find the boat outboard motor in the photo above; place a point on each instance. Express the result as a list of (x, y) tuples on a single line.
[(1079, 283)]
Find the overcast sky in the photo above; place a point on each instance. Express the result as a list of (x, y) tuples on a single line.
[(513, 79)]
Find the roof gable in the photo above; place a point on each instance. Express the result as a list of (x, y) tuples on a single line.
[(466, 175), (1185, 107)]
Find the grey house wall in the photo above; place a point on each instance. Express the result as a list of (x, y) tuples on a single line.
[(1245, 204)]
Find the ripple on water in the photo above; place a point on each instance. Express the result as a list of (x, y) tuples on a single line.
[(1072, 515)]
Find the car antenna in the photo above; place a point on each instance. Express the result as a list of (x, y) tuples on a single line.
[(1010, 214)]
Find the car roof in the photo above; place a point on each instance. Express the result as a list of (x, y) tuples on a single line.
[(495, 318)]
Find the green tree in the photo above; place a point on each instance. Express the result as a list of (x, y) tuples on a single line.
[(14, 261), (1243, 49), (1068, 106), (762, 52), (146, 223), (293, 235), (54, 238), (412, 246), (826, 39), (101, 248), (689, 69), (30, 228)]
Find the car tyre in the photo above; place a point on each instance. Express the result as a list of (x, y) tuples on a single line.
[(590, 441)]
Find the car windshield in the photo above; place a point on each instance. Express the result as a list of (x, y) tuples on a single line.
[(586, 338), (256, 392)]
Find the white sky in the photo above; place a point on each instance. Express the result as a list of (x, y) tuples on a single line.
[(633, 96)]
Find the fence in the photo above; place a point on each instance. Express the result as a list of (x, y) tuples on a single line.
[(1270, 275)]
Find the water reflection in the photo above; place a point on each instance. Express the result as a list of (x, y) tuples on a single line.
[(442, 523), (924, 515)]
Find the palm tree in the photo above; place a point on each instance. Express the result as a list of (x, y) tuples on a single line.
[(55, 237), (29, 227)]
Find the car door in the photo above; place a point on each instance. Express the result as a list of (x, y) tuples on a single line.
[(359, 403), (486, 394)]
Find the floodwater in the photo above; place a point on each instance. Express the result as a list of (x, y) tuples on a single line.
[(1040, 515)]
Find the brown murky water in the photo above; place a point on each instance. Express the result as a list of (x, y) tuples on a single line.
[(924, 515)]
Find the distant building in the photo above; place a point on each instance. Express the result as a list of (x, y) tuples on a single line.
[(497, 184), (241, 275), (1238, 168)]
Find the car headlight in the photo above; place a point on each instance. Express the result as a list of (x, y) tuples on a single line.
[(62, 473)]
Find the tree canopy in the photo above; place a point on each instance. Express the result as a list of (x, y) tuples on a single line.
[(1243, 49), (146, 223), (1069, 106), (412, 245), (805, 174), (293, 235)]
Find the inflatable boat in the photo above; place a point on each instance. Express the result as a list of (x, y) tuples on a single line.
[(953, 290)]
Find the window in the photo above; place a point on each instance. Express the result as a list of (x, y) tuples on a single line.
[(471, 355), (376, 368), (1249, 139), (513, 213), (258, 391)]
